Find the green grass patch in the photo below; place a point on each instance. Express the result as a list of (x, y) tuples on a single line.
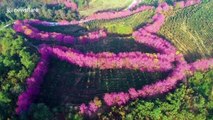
[(120, 29)]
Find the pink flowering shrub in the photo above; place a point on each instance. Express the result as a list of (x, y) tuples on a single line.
[(163, 7), (133, 93), (70, 4), (93, 36), (88, 110), (116, 98), (158, 21), (202, 65), (191, 2)]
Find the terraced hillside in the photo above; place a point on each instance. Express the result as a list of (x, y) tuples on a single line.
[(106, 60), (190, 30)]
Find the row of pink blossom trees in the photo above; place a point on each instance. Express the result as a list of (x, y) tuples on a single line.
[(25, 27), (162, 61), (26, 98)]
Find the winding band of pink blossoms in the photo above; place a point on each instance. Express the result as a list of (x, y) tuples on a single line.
[(162, 61)]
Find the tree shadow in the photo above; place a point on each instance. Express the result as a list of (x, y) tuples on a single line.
[(74, 30), (114, 44)]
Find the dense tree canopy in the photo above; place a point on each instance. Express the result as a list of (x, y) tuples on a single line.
[(16, 63)]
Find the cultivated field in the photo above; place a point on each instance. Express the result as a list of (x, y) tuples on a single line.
[(191, 30)]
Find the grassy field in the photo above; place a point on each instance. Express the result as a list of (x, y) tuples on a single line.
[(97, 5), (123, 25), (191, 30)]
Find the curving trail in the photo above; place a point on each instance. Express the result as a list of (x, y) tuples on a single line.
[(167, 58), (25, 28)]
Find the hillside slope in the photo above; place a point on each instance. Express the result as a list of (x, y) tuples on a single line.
[(191, 30)]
